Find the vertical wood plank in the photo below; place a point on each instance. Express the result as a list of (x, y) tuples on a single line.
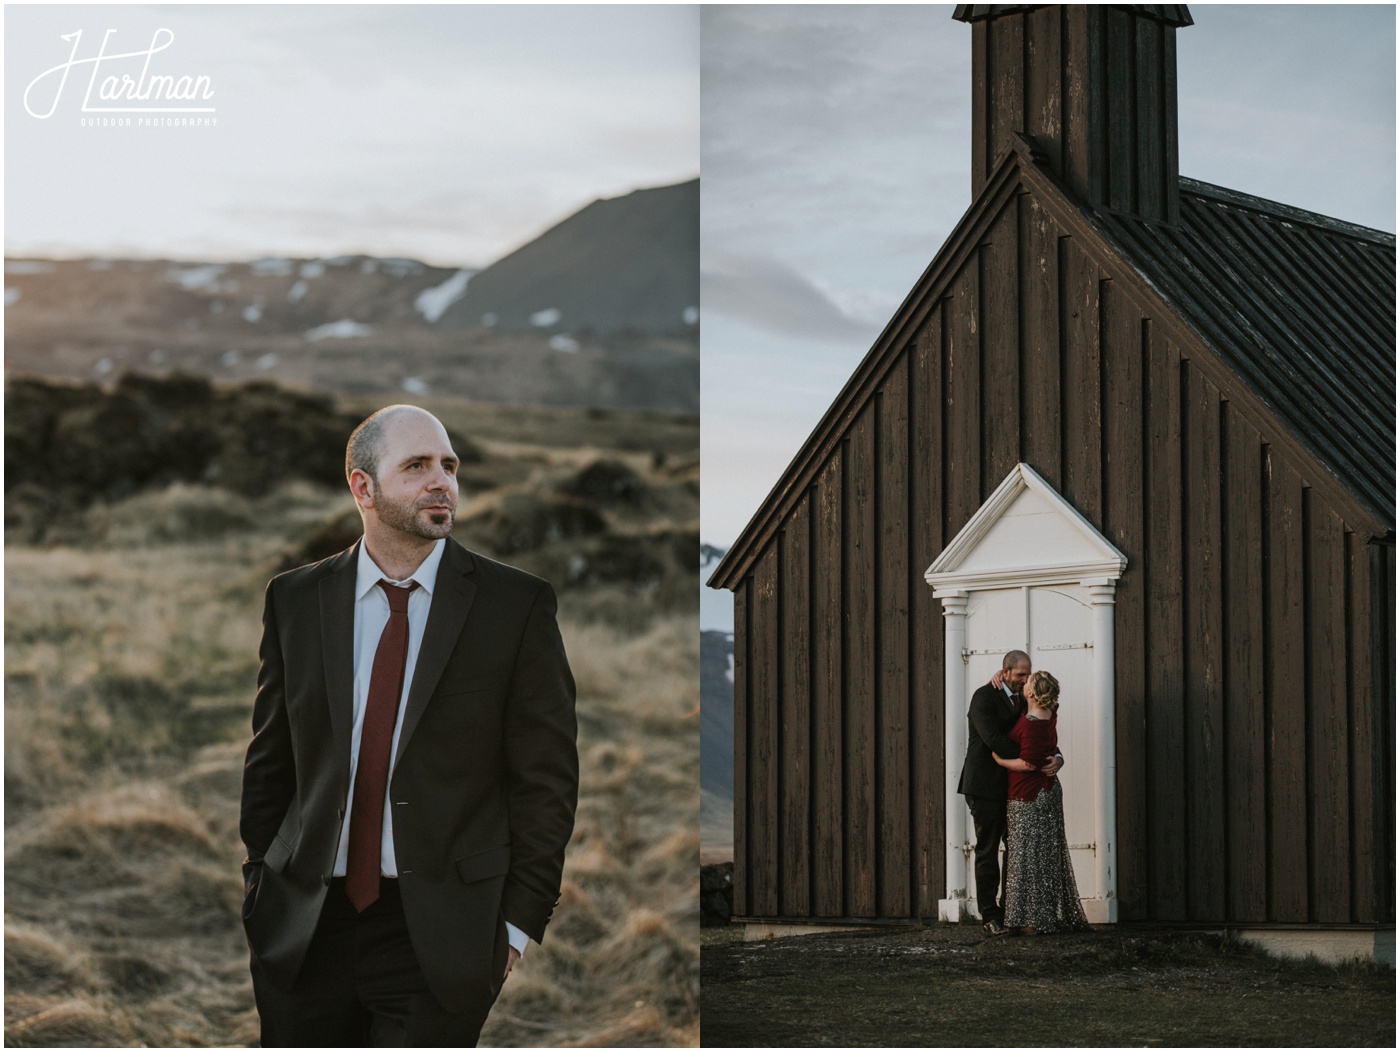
[(1383, 632), (1150, 133), (828, 896), (1361, 720), (1288, 804), (981, 161), (962, 400), (1040, 300), (1006, 83), (926, 540), (764, 752), (1081, 427), (1081, 52), (1001, 356), (1329, 780), (1124, 348), (861, 744), (742, 663), (1044, 117), (895, 575), (1122, 134), (795, 679), (1165, 773), (1171, 172), (1246, 781), (1205, 754)]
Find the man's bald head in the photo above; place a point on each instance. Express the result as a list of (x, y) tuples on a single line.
[(366, 445)]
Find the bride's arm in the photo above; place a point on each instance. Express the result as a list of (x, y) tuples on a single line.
[(1013, 765)]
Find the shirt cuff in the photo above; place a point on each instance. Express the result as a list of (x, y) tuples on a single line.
[(518, 939)]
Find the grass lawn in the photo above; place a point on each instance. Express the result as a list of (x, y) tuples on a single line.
[(951, 985)]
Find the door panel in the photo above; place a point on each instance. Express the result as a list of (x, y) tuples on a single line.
[(1054, 625), (1061, 633)]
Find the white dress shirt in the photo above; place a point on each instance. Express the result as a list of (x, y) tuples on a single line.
[(371, 615)]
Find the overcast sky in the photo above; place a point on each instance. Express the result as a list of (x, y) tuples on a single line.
[(836, 160), (447, 133)]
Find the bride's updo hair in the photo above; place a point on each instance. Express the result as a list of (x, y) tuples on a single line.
[(1046, 688)]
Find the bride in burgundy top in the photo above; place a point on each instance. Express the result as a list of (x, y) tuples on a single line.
[(1041, 895)]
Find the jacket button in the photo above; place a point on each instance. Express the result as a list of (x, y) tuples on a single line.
[(326, 880)]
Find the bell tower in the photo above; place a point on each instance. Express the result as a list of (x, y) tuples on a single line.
[(1093, 85)]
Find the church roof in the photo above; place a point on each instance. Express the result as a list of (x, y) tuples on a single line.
[(1298, 305)]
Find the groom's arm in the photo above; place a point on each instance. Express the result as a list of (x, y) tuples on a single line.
[(983, 714), (541, 761)]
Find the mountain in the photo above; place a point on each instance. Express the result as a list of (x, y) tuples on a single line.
[(621, 263), (716, 718), (360, 324), (716, 738)]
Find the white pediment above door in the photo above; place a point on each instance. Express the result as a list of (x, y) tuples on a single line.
[(1025, 534)]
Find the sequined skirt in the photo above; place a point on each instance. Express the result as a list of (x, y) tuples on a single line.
[(1040, 888)]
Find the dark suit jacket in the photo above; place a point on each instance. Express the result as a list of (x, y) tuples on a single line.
[(484, 784), (989, 717)]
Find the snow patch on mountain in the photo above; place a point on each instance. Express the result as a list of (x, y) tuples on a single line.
[(432, 302), (344, 329)]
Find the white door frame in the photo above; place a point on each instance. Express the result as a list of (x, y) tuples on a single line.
[(1079, 555)]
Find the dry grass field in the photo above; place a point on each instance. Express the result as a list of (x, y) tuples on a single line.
[(949, 985), (130, 659)]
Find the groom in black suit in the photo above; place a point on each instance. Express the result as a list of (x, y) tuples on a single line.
[(411, 782), (995, 707)]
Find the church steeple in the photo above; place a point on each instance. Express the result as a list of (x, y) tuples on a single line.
[(1093, 85)]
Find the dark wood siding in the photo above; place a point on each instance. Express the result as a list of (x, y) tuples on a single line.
[(1382, 589), (795, 647), (1123, 341), (862, 736), (744, 656), (926, 540), (1249, 740), (765, 852), (827, 570), (894, 577)]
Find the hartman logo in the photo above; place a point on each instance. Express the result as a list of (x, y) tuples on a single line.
[(122, 82)]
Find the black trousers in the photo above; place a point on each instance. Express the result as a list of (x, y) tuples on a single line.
[(361, 986), (989, 822)]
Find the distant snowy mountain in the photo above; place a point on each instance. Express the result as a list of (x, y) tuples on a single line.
[(625, 263), (716, 605), (716, 704), (598, 311)]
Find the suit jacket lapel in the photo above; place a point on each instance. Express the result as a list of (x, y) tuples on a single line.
[(452, 599), (337, 598)]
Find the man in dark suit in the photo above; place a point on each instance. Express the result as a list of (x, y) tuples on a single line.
[(412, 778), (995, 707)]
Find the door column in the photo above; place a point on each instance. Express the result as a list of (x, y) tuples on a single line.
[(955, 905), (1103, 907)]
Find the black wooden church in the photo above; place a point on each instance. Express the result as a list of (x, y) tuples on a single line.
[(1142, 426)]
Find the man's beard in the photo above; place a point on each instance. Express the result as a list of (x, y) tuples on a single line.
[(407, 517)]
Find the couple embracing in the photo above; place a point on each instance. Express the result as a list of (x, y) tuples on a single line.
[(1008, 780)]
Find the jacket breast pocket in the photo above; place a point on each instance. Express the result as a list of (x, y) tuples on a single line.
[(479, 865)]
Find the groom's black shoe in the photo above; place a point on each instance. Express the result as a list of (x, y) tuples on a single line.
[(994, 927)]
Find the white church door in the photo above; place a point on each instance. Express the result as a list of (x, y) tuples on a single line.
[(1028, 572), (1053, 624)]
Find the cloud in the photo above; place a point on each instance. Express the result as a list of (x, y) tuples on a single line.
[(767, 293)]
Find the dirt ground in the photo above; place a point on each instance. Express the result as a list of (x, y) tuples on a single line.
[(951, 985)]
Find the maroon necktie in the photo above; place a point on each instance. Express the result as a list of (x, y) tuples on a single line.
[(376, 738)]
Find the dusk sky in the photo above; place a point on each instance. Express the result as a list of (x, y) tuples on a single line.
[(833, 143), (447, 133), (836, 160)]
